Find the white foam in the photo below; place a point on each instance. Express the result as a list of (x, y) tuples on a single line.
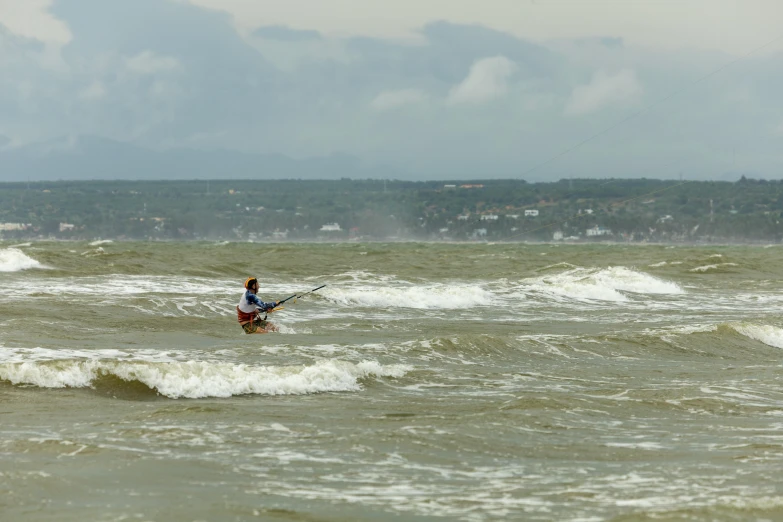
[(431, 296), (604, 284), (649, 446), (562, 264), (132, 285), (198, 379), (363, 276), (101, 242), (21, 355), (14, 260), (708, 268), (93, 253), (680, 330), (769, 335)]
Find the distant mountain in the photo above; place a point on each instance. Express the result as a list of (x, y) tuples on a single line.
[(90, 157)]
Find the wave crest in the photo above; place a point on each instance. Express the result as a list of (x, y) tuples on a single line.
[(769, 335), (200, 379), (420, 297), (604, 284), (14, 260)]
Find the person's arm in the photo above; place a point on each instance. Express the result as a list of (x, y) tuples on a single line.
[(259, 303)]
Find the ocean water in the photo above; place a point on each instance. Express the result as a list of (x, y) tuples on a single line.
[(426, 381)]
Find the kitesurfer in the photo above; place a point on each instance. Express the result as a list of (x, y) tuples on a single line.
[(249, 308)]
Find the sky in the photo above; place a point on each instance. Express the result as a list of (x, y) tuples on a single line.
[(428, 89)]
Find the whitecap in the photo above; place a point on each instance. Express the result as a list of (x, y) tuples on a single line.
[(14, 260), (709, 268), (440, 296), (93, 253), (199, 379), (769, 335), (605, 284)]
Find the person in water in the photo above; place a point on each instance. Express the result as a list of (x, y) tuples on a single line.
[(249, 307)]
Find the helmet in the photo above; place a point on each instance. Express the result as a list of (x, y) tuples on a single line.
[(250, 281)]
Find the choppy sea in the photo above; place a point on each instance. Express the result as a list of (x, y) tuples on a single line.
[(464, 382)]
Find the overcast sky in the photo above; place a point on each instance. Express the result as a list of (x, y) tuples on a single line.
[(437, 88)]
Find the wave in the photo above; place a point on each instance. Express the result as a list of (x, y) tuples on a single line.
[(198, 379), (101, 242), (419, 296), (99, 251), (769, 335), (719, 267), (555, 266), (133, 285), (603, 284), (14, 260)]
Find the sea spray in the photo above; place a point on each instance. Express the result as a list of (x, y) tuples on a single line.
[(14, 260)]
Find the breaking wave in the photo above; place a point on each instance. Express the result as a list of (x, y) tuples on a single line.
[(769, 335), (14, 260), (198, 379), (719, 267), (421, 297), (604, 284)]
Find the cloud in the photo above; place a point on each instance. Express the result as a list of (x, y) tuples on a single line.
[(286, 34), (604, 41), (95, 91), (149, 62), (388, 100), (166, 74), (604, 89), (32, 19), (488, 79)]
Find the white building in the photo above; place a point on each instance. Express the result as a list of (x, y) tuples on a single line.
[(531, 213), (463, 217), (489, 217), (557, 236), (331, 227), (480, 232), (66, 226), (598, 231), (13, 226)]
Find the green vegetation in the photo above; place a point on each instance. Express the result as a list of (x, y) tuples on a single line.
[(616, 209)]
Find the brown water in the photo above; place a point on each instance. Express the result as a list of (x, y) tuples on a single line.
[(456, 381)]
